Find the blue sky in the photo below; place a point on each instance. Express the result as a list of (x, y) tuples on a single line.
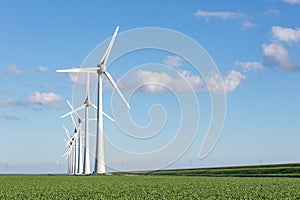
[(255, 45)]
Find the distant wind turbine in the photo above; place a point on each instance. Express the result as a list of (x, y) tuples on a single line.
[(72, 152), (100, 69), (83, 160)]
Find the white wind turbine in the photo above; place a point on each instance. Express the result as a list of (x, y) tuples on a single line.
[(100, 69), (68, 153), (78, 130), (80, 157), (72, 151), (84, 166)]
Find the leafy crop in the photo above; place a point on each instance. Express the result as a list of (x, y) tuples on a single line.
[(146, 187), (281, 170)]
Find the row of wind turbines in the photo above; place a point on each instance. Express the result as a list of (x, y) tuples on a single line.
[(79, 142)]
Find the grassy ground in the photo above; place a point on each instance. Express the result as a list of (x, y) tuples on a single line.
[(146, 187), (251, 182), (282, 170)]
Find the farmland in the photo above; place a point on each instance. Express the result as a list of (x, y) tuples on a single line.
[(174, 184), (275, 170), (151, 187)]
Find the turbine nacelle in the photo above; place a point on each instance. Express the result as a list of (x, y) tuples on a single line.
[(102, 68)]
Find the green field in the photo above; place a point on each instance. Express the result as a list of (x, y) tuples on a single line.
[(211, 183), (146, 187), (278, 170)]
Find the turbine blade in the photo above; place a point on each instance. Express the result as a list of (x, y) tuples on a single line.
[(116, 87), (72, 108), (74, 123), (74, 111), (107, 52), (109, 117), (71, 139), (93, 105), (68, 133), (65, 154), (106, 115), (88, 86), (88, 69), (69, 142)]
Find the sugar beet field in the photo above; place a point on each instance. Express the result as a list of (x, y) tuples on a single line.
[(147, 187), (154, 186)]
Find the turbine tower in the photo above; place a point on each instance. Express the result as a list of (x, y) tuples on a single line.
[(71, 152), (100, 69), (68, 153), (83, 163), (78, 147), (85, 166)]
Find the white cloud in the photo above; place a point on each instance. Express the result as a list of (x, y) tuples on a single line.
[(223, 15), (13, 69), (153, 82), (173, 61), (227, 84), (5, 102), (45, 99), (183, 81), (277, 55), (43, 69), (292, 1), (12, 102), (271, 12), (249, 66), (286, 34), (248, 25)]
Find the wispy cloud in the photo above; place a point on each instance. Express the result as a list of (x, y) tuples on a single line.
[(12, 102), (292, 1), (229, 83), (9, 117), (43, 69), (288, 35), (173, 61), (5, 102), (249, 66), (183, 81), (248, 25), (271, 12), (225, 15), (277, 55), (13, 69), (45, 99)]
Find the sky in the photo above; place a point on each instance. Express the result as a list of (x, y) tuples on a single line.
[(254, 45)]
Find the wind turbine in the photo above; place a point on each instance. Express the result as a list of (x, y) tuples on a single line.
[(68, 153), (86, 158), (78, 146), (71, 152), (100, 69), (86, 168)]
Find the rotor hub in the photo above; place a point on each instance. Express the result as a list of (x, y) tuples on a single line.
[(102, 68)]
